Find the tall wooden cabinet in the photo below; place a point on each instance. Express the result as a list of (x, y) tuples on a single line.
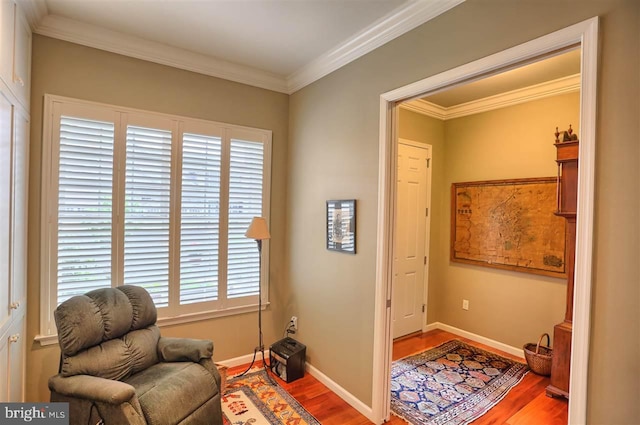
[(15, 70), (567, 159)]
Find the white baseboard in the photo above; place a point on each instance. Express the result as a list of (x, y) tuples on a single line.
[(341, 392), (246, 359), (350, 398), (477, 338), (315, 372), (431, 327)]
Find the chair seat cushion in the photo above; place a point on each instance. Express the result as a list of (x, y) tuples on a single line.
[(169, 392)]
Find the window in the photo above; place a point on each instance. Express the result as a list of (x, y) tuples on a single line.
[(163, 202)]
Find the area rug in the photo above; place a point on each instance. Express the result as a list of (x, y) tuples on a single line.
[(452, 384), (253, 400)]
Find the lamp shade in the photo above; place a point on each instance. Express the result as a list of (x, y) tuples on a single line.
[(258, 229)]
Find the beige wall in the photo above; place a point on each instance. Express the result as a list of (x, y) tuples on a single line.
[(333, 152), (425, 129), (515, 142), (71, 70), (508, 143)]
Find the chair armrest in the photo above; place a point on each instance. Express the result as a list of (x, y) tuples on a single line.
[(184, 349), (213, 370), (92, 388)]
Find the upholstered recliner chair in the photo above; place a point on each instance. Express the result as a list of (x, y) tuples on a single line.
[(116, 368)]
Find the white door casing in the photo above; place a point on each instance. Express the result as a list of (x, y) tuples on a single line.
[(584, 34)]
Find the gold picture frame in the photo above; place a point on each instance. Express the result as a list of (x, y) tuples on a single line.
[(508, 224)]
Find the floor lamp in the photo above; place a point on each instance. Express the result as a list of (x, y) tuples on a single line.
[(258, 230)]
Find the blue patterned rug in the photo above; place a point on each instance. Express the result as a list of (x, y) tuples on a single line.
[(452, 384)]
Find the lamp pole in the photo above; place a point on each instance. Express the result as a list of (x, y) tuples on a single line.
[(260, 341), (258, 231)]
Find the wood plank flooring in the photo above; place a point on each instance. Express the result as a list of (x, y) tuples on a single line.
[(526, 403)]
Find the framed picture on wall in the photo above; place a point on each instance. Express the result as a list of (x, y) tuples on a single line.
[(508, 224), (341, 225)]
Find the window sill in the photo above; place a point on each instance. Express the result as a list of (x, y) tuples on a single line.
[(45, 340)]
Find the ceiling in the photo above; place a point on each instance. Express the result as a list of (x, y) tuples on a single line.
[(553, 68), (281, 45), (552, 75)]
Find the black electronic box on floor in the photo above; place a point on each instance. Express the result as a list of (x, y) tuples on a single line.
[(286, 359)]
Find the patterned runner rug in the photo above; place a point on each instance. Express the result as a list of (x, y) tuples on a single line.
[(252, 400), (452, 384)]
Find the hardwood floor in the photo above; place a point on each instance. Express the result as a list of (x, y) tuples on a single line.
[(525, 404)]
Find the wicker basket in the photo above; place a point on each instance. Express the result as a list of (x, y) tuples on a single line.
[(222, 369), (539, 356)]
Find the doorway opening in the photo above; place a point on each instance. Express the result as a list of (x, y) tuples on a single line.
[(412, 230), (583, 35)]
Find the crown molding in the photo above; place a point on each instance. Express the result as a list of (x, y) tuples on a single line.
[(116, 42), (399, 22), (538, 91), (34, 10), (426, 108)]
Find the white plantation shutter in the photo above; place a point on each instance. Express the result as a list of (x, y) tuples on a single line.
[(147, 207), (85, 177), (159, 201), (245, 202), (200, 218)]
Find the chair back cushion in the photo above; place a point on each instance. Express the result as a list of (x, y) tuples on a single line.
[(108, 332)]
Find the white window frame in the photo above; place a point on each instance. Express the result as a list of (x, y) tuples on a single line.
[(178, 125)]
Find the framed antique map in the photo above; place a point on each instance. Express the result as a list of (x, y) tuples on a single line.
[(508, 224)]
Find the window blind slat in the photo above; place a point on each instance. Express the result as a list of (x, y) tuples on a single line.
[(147, 209), (200, 215), (245, 202), (84, 256), (85, 180)]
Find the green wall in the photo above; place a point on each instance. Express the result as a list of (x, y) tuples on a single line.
[(333, 153), (326, 147), (75, 71), (515, 142), (506, 143), (429, 130)]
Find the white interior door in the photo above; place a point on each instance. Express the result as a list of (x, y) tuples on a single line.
[(411, 233)]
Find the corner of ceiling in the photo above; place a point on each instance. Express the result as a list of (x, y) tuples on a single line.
[(35, 11), (397, 23), (568, 84), (400, 21)]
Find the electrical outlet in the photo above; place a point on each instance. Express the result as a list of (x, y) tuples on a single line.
[(294, 323), (465, 304)]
